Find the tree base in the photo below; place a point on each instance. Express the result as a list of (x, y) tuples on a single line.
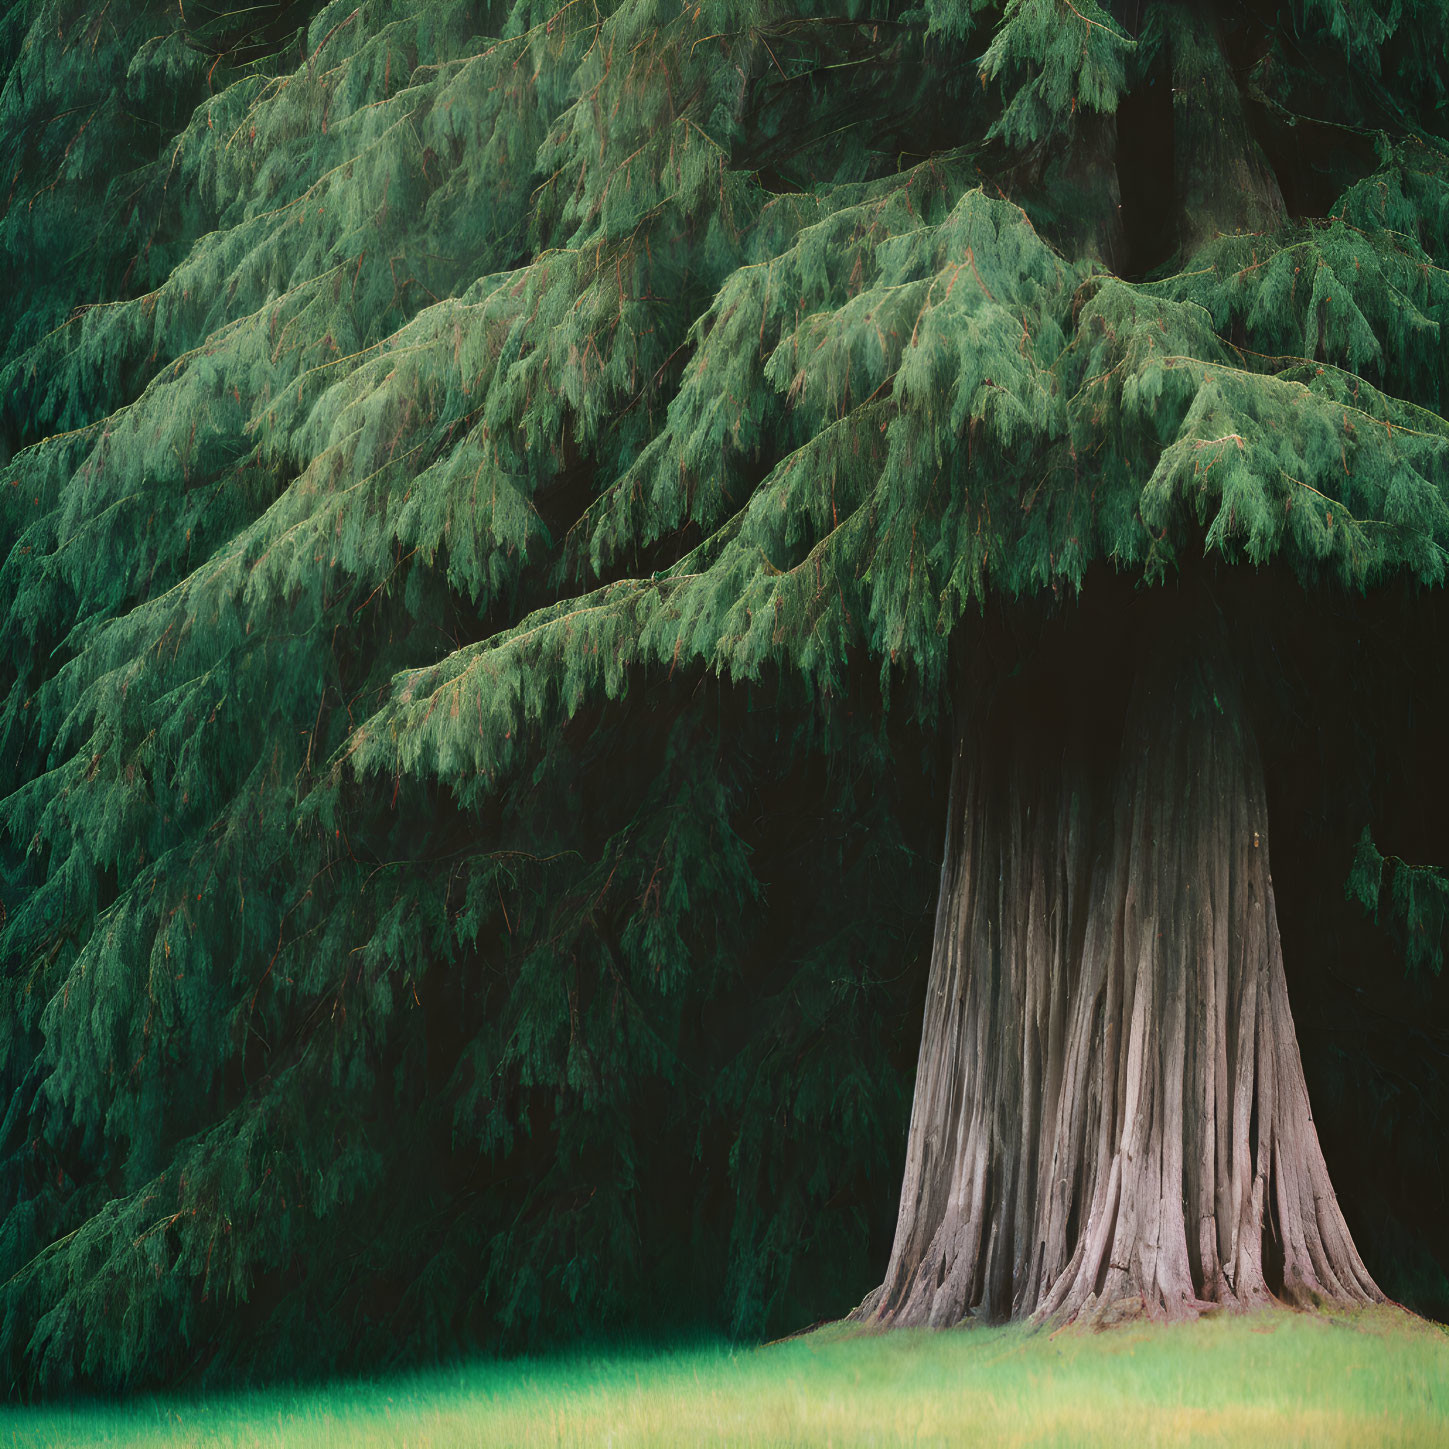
[(1110, 1115)]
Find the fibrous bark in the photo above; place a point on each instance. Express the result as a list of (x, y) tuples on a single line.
[(1224, 182), (1110, 1113)]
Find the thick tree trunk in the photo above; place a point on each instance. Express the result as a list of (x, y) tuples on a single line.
[(1110, 1114), (1224, 181)]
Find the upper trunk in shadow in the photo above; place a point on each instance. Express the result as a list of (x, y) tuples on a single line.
[(1223, 180)]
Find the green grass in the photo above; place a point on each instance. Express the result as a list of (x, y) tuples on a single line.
[(1379, 1377)]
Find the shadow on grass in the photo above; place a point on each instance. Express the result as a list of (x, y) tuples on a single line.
[(1376, 1376)]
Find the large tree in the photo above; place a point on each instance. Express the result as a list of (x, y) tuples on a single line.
[(523, 527)]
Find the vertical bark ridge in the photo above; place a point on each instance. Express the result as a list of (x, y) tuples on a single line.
[(1110, 1109)]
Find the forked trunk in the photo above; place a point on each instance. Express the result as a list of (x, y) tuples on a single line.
[(1110, 1114)]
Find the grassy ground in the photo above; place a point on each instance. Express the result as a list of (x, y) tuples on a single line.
[(1379, 1377)]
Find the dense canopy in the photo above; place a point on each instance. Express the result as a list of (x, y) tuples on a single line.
[(499, 502)]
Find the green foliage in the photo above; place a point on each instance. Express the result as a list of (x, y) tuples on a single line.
[(492, 495), (1410, 901), (1053, 57)]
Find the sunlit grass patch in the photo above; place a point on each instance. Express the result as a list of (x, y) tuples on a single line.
[(1376, 1377)]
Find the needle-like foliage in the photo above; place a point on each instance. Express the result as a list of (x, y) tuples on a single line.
[(490, 497)]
